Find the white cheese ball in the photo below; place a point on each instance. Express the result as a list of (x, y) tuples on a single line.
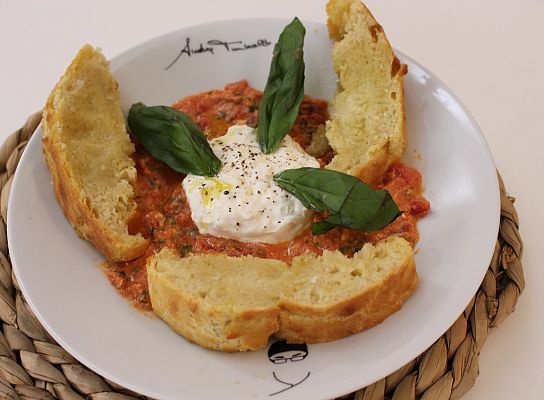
[(242, 202)]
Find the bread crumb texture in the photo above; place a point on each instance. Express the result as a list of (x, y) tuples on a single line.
[(237, 303), (87, 149), (367, 125)]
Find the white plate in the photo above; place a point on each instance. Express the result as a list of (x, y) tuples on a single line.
[(60, 276)]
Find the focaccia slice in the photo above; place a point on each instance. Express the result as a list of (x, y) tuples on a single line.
[(87, 149), (367, 125), (237, 303)]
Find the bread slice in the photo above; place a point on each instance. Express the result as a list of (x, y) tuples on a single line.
[(237, 303), (367, 125), (87, 149)]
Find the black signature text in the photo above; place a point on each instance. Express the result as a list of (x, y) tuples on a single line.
[(214, 45)]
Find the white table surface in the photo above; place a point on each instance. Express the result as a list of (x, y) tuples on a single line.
[(489, 52)]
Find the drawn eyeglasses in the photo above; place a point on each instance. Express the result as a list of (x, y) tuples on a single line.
[(282, 359)]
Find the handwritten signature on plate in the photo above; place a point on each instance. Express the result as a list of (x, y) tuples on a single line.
[(214, 45)]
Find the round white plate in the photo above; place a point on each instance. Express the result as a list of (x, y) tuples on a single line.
[(60, 276)]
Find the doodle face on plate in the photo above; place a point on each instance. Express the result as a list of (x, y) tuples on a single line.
[(287, 357)]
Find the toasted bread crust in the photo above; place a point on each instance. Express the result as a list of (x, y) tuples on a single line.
[(367, 129), (81, 217), (225, 327), (188, 302), (65, 132), (203, 324), (350, 316)]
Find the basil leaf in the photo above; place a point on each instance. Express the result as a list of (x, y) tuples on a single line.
[(284, 88), (171, 136), (350, 202), (388, 211), (320, 227)]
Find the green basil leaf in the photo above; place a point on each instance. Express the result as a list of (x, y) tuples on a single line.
[(320, 227), (171, 136), (284, 88), (388, 211), (350, 202)]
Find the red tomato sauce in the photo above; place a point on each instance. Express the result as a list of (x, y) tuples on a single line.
[(164, 216)]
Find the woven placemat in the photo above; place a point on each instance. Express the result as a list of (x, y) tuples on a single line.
[(34, 366)]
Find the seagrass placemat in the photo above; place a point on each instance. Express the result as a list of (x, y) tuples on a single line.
[(34, 366)]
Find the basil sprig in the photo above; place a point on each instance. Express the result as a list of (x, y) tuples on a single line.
[(284, 88), (171, 136), (351, 202)]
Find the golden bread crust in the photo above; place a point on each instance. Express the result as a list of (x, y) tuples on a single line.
[(367, 129), (352, 315), (316, 299), (82, 124), (203, 324)]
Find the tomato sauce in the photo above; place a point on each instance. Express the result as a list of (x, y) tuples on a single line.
[(164, 216)]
